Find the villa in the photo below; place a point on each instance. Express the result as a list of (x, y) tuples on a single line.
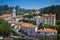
[(49, 18), (47, 32)]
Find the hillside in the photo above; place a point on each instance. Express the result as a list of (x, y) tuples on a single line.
[(50, 9)]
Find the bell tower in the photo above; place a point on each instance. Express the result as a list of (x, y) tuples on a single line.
[(14, 12)]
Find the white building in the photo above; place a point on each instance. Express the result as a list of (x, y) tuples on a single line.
[(47, 32), (14, 12), (49, 19), (38, 20)]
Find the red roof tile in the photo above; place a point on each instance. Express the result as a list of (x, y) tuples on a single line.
[(47, 30)]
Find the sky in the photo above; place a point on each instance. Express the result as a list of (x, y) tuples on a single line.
[(30, 4)]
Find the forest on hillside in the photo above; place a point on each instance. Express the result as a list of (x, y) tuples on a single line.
[(50, 9)]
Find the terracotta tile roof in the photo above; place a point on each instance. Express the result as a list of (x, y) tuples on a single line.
[(6, 15), (25, 25), (39, 30), (47, 30), (45, 15)]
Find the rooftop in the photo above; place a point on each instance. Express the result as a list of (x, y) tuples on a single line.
[(23, 24), (47, 30)]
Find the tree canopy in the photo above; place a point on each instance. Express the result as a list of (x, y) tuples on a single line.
[(51, 9), (4, 28)]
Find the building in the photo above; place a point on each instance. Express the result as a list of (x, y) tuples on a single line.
[(25, 28), (14, 12), (47, 32), (29, 29), (38, 20), (12, 16), (49, 19)]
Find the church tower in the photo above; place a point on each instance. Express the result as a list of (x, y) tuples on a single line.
[(14, 12)]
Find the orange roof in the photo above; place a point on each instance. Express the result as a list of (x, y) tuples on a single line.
[(47, 30), (39, 30), (6, 15), (26, 25), (45, 15)]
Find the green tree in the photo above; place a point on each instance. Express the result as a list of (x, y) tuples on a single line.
[(51, 9), (5, 7), (40, 26), (46, 25), (4, 28), (58, 22)]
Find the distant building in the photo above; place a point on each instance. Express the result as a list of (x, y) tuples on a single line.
[(38, 20), (14, 12), (12, 16), (46, 19), (49, 18), (36, 12), (47, 32)]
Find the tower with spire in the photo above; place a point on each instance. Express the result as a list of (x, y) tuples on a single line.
[(14, 12)]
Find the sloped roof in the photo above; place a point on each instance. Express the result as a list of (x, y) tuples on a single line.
[(47, 30), (23, 24), (45, 15)]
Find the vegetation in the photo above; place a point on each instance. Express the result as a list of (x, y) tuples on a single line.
[(28, 21), (57, 27), (5, 29), (50, 9), (44, 25), (6, 9)]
